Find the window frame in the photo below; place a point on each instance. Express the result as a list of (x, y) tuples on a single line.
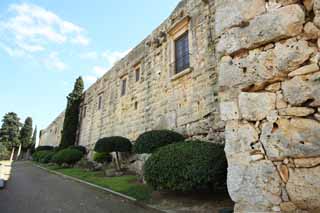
[(185, 62), (100, 102), (124, 85)]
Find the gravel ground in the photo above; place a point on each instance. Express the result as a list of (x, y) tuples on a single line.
[(32, 190)]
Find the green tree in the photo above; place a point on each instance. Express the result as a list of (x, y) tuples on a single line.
[(26, 134), (9, 132), (70, 125), (34, 136)]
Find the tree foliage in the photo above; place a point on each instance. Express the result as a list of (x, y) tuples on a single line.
[(71, 119), (9, 132), (26, 134)]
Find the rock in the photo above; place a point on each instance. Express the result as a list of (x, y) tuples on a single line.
[(233, 13), (288, 207), (283, 172), (273, 116), (307, 162), (296, 111), (316, 10), (317, 116), (239, 137), (280, 103), (308, 4), (256, 184), (229, 111), (301, 89), (304, 189), (311, 31), (276, 209), (256, 106), (257, 157), (295, 138), (279, 24), (273, 87), (305, 70)]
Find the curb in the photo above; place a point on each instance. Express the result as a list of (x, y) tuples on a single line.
[(100, 188)]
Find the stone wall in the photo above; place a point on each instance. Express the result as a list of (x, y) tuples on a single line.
[(51, 136), (185, 102), (269, 82)]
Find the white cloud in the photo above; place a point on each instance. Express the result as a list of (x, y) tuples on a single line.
[(54, 62), (100, 71), (89, 55), (89, 80), (113, 56), (32, 29)]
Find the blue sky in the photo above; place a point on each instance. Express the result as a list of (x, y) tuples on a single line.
[(46, 44)]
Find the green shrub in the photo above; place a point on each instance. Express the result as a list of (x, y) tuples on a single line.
[(113, 144), (187, 166), (38, 156), (150, 141), (80, 148), (102, 157), (47, 157), (4, 152), (68, 156), (44, 148)]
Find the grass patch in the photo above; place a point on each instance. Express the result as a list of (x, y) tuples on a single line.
[(127, 185)]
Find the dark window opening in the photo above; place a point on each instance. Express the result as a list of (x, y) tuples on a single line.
[(137, 74), (100, 103), (123, 87), (136, 105), (84, 111), (182, 57)]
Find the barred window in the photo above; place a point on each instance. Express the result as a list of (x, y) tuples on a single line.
[(182, 57)]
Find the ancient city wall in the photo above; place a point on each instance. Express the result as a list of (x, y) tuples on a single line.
[(185, 102), (269, 82), (51, 136)]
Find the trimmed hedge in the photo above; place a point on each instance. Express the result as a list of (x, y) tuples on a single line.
[(113, 144), (38, 156), (150, 141), (44, 148), (187, 166), (68, 156), (47, 157), (80, 148), (102, 157)]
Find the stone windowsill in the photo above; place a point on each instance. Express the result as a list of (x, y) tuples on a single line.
[(181, 74)]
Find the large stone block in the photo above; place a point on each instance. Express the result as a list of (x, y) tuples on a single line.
[(256, 106), (304, 189), (277, 24), (296, 138)]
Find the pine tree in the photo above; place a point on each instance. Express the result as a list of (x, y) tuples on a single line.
[(9, 132), (71, 119), (26, 134)]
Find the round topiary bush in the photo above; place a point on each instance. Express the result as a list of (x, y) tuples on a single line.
[(80, 148), (102, 157), (113, 144), (150, 141), (67, 156), (44, 148), (187, 166)]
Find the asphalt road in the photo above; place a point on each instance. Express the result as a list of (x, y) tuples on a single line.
[(32, 190)]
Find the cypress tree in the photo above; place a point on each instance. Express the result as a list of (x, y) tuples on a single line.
[(34, 136), (26, 134), (70, 124), (9, 132)]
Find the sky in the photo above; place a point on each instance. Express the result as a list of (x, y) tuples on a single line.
[(46, 44)]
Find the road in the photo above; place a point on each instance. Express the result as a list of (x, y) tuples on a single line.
[(32, 190)]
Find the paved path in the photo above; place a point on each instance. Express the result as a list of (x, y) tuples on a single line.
[(32, 190)]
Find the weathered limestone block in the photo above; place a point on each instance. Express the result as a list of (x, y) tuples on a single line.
[(296, 111), (316, 9), (234, 13), (260, 66), (311, 31), (229, 111), (308, 4), (301, 89), (255, 186), (278, 24), (239, 137), (304, 189), (273, 87), (307, 162), (256, 106), (311, 68), (296, 137)]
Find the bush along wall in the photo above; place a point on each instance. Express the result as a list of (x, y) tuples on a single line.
[(187, 166), (150, 141), (68, 156), (113, 144)]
